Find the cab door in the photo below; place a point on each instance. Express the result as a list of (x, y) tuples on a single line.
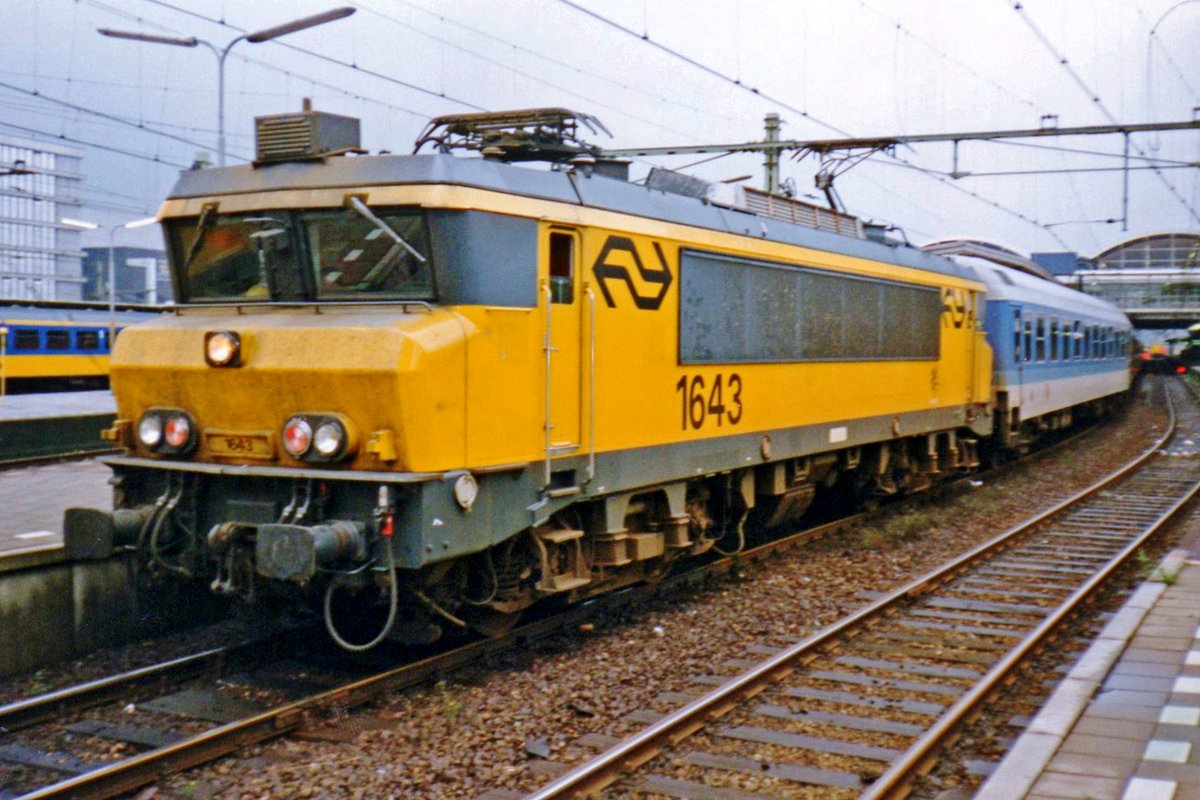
[(564, 373)]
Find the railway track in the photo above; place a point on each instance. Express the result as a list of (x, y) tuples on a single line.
[(160, 751), (863, 707)]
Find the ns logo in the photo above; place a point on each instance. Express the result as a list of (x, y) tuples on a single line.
[(612, 265), (958, 308)]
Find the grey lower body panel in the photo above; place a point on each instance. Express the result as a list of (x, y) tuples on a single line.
[(431, 526)]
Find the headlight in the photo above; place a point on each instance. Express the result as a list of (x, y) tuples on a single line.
[(297, 436), (167, 431), (223, 349), (330, 438), (150, 430), (178, 431), (319, 437)]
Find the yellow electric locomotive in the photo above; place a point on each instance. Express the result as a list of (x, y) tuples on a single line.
[(443, 387)]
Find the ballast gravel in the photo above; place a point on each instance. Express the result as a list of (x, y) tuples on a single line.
[(494, 726)]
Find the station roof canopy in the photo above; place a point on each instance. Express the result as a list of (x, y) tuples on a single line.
[(1154, 251)]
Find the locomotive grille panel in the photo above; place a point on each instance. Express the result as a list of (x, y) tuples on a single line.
[(281, 138), (797, 212), (306, 135), (735, 310)]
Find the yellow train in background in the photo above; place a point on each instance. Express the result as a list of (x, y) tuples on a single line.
[(59, 346), (426, 391)]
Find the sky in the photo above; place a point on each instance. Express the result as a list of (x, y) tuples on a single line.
[(657, 73)]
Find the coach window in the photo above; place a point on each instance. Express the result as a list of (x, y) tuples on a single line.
[(1076, 341), (1028, 351), (1041, 338), (562, 268), (1054, 351), (87, 340), (1017, 354), (58, 339), (26, 339)]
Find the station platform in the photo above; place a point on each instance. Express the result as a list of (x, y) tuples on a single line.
[(34, 426), (33, 500), (1125, 722)]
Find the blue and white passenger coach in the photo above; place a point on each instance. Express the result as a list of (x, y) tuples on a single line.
[(1057, 352)]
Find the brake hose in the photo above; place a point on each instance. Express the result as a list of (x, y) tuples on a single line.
[(393, 608)]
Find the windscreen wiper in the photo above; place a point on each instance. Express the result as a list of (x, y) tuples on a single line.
[(207, 218), (366, 213)]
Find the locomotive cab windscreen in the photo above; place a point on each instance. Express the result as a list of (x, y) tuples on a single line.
[(352, 253)]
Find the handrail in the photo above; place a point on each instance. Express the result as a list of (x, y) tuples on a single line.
[(548, 348), (591, 295)]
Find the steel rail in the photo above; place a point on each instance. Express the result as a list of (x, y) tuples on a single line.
[(132, 773), (33, 710), (594, 775), (897, 780), (135, 772)]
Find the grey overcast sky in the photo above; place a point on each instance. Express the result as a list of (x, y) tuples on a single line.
[(828, 67)]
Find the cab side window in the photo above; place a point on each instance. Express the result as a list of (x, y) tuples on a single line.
[(562, 268)]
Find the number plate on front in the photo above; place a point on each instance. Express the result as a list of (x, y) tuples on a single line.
[(240, 445)]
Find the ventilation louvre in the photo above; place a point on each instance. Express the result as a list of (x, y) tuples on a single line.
[(303, 135)]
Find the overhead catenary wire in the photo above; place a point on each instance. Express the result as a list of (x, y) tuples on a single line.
[(698, 65), (781, 103), (86, 143), (528, 75), (1099, 153), (1065, 63), (102, 115), (32, 106), (1050, 171), (900, 27), (629, 87), (1153, 38)]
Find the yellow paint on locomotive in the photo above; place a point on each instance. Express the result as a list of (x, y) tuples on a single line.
[(402, 373), (465, 386)]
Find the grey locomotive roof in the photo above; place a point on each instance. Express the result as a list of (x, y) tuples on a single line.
[(1014, 286), (594, 191)]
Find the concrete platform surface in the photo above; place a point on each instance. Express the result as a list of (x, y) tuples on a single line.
[(33, 500), (55, 405), (1125, 722)]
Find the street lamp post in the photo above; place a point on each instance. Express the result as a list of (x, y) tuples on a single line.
[(112, 273), (112, 263), (257, 37), (3, 358)]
